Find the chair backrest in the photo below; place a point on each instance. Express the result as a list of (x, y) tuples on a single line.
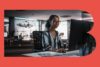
[(37, 40)]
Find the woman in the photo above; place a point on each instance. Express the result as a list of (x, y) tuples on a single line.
[(51, 40)]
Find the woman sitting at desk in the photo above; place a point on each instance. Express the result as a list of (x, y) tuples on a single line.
[(51, 40)]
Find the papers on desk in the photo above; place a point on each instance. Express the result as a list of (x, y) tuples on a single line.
[(51, 54)]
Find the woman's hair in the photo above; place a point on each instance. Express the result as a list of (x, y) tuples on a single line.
[(49, 21)]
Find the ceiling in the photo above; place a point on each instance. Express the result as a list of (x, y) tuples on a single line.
[(43, 14)]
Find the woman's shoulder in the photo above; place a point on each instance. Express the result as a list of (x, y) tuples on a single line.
[(45, 33)]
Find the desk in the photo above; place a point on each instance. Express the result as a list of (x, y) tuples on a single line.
[(74, 53)]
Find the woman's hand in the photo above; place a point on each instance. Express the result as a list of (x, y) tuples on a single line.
[(62, 50)]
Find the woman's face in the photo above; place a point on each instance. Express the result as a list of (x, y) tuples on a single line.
[(55, 22)]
